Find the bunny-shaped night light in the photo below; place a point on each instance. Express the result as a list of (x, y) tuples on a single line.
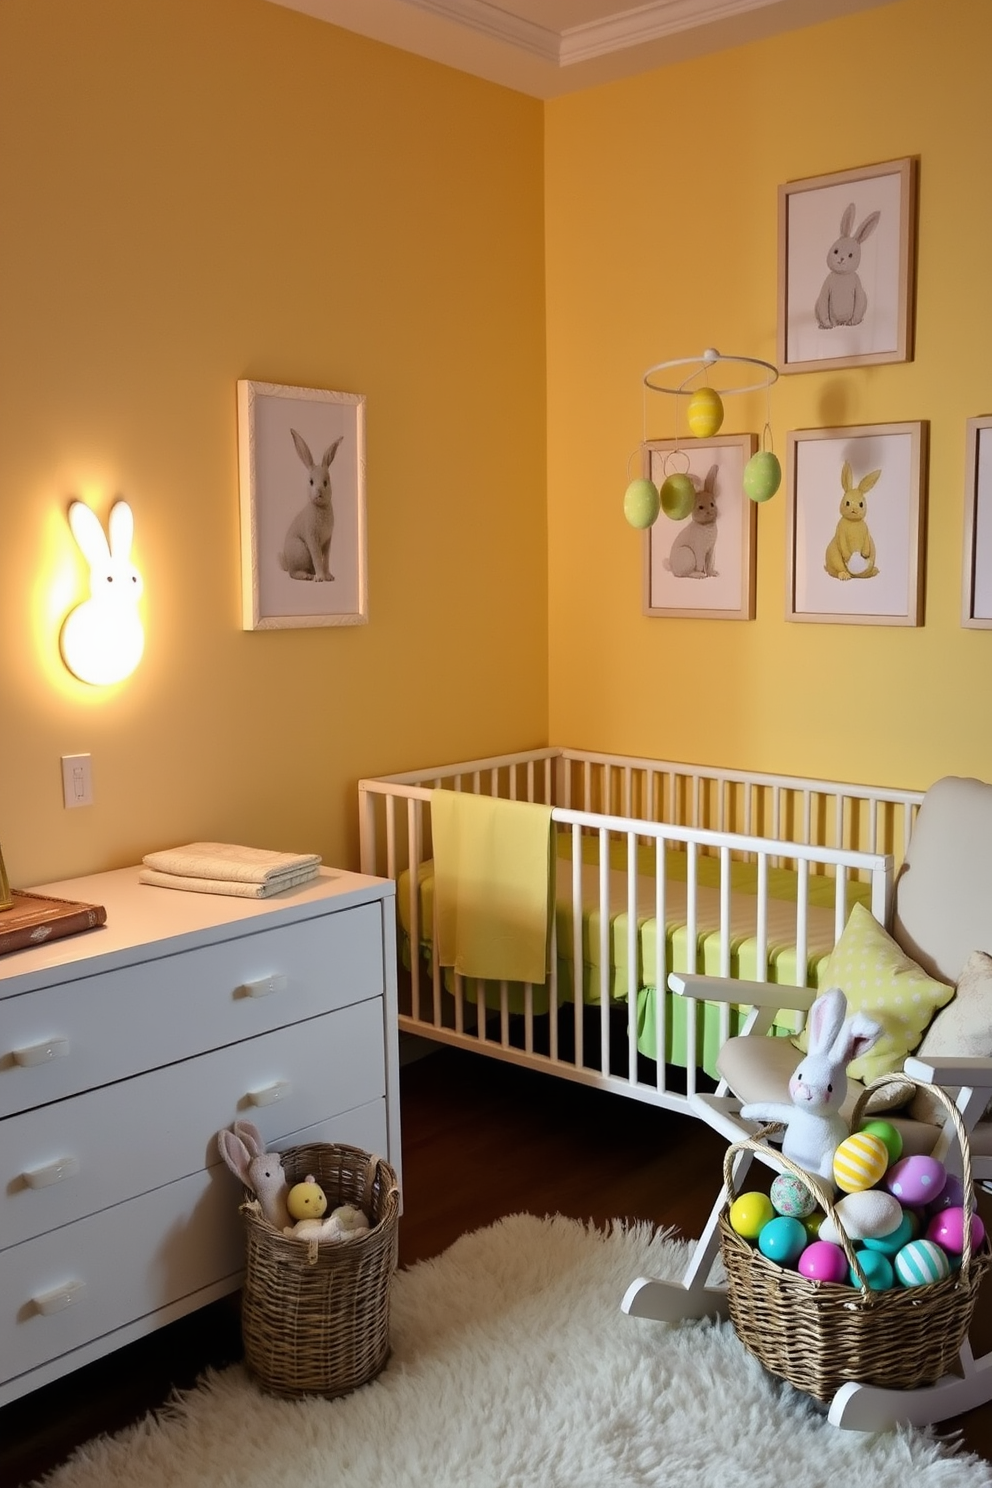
[(102, 639)]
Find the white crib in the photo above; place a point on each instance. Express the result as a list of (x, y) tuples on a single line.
[(660, 867)]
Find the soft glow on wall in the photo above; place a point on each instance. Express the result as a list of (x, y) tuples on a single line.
[(102, 639)]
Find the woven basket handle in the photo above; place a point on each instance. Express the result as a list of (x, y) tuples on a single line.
[(371, 1179)]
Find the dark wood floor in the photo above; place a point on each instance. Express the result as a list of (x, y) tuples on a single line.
[(480, 1140)]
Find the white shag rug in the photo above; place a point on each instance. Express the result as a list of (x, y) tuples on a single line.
[(513, 1367)]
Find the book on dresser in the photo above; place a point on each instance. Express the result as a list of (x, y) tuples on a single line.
[(34, 918)]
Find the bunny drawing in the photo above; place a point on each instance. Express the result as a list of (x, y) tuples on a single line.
[(305, 554), (694, 547), (243, 1150), (818, 1087), (102, 639), (851, 551), (842, 300)]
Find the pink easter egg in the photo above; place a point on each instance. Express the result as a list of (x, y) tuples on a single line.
[(947, 1228), (916, 1180), (823, 1261)]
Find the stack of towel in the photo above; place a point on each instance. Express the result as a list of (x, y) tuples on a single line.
[(224, 868)]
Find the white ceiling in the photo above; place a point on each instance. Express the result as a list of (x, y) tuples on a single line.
[(550, 47)]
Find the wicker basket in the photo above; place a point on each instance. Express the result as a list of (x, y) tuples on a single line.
[(818, 1335), (315, 1316)]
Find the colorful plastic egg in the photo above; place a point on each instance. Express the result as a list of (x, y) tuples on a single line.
[(641, 503), (783, 1239), (888, 1134), (860, 1161), (762, 476), (892, 1243), (790, 1195), (749, 1213), (705, 412), (921, 1262), (812, 1223), (916, 1180), (822, 1261), (947, 1229), (868, 1213), (876, 1269), (951, 1195), (678, 497)]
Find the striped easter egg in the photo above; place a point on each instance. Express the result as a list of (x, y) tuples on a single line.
[(920, 1262), (860, 1161)]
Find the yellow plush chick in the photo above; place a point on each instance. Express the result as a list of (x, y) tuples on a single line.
[(306, 1200)]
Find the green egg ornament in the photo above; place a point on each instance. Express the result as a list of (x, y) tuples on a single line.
[(762, 476), (705, 412), (641, 503), (678, 497)]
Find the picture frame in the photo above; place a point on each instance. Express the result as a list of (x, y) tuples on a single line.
[(846, 268), (976, 591), (718, 581), (294, 441), (834, 526)]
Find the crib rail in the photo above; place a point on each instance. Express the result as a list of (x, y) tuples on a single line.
[(614, 882)]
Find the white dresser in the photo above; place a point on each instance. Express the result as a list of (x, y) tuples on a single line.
[(125, 1049)]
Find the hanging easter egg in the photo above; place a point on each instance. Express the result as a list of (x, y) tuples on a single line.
[(749, 1213), (876, 1269), (893, 1242), (947, 1230), (678, 497), (921, 1262), (860, 1161), (762, 476), (783, 1240), (822, 1261), (705, 413), (790, 1196), (641, 503), (916, 1180), (888, 1134)]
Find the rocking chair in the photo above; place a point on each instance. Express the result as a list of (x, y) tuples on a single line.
[(942, 913)]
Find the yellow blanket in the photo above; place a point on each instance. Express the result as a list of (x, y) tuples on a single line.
[(492, 865)]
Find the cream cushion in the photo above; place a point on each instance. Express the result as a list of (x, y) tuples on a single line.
[(963, 1028), (885, 984)]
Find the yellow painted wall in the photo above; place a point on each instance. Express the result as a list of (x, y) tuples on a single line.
[(661, 240), (196, 191)]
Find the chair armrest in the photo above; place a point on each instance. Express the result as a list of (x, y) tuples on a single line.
[(948, 1069), (751, 994)]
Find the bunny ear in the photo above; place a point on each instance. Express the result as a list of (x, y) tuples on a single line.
[(868, 481), (857, 1036), (302, 448), (846, 475), (709, 484), (250, 1136), (235, 1154), (868, 226), (121, 525), (331, 451), (847, 222), (826, 1020), (88, 533)]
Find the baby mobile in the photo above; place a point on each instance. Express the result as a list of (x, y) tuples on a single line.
[(705, 387)]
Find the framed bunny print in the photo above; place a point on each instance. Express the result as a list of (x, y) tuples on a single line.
[(846, 258), (702, 564), (976, 611), (855, 524), (301, 461)]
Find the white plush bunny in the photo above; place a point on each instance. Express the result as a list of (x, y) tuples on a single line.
[(102, 639), (818, 1087)]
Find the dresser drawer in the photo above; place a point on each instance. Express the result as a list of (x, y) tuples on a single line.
[(77, 1156), (68, 1287), (65, 1038)]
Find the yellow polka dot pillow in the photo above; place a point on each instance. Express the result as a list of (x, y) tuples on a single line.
[(881, 981)]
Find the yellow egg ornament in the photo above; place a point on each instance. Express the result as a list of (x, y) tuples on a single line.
[(641, 503), (678, 497), (860, 1161), (705, 414)]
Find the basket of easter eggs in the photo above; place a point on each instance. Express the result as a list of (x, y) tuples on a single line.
[(315, 1312), (878, 1285)]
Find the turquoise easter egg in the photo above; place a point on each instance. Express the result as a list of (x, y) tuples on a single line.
[(783, 1240), (641, 503), (876, 1269), (921, 1262), (894, 1241)]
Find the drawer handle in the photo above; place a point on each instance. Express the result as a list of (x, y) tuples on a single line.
[(56, 1048), (59, 1297), (265, 986), (65, 1167), (270, 1094)]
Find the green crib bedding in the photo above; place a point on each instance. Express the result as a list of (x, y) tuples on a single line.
[(782, 965)]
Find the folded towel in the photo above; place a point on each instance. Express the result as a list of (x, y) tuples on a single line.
[(228, 862), (492, 866), (237, 887)]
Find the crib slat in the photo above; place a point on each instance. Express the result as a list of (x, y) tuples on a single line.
[(578, 968)]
